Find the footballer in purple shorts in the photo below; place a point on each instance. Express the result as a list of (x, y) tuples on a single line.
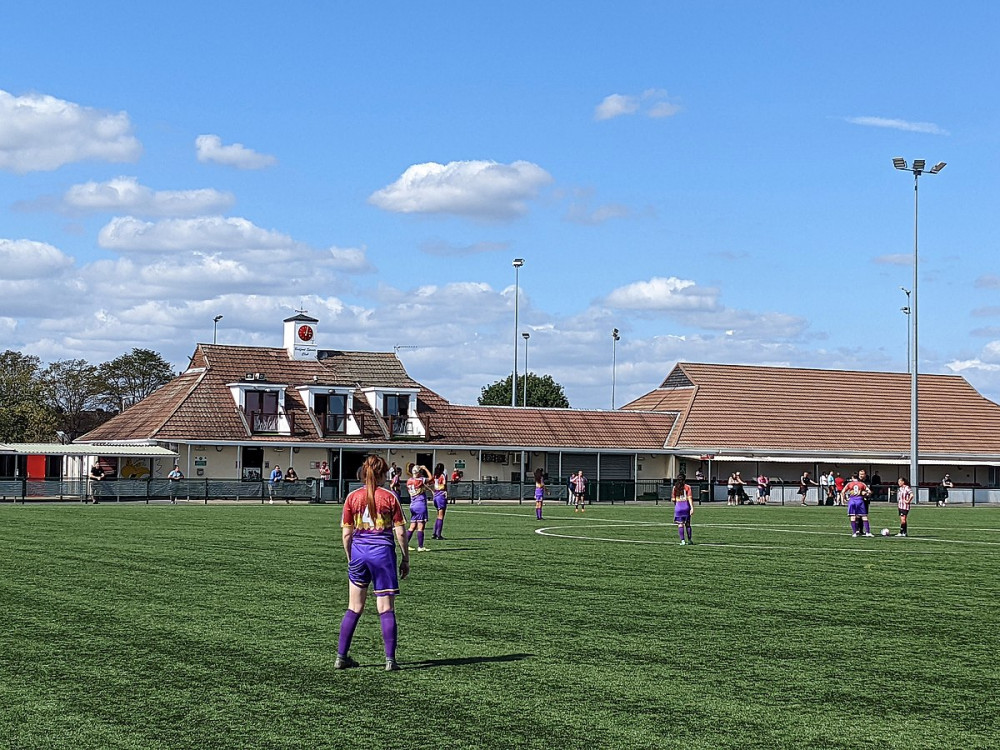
[(856, 511), (372, 525), (683, 507)]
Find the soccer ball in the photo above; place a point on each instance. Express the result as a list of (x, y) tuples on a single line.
[(885, 532)]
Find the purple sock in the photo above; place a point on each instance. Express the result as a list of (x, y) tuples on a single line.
[(538, 513), (388, 620), (854, 526), (409, 536), (680, 530), (688, 528), (438, 525), (347, 626), (868, 528), (420, 538)]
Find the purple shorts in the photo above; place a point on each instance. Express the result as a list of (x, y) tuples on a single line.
[(682, 512), (374, 562), (418, 510), (856, 506), (539, 494), (440, 499)]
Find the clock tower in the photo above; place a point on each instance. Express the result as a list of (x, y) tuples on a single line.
[(300, 336)]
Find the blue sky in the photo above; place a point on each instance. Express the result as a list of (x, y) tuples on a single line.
[(714, 179)]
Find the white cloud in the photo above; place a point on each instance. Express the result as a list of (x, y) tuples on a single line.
[(894, 259), (446, 249), (27, 259), (40, 133), (653, 103), (988, 281), (204, 233), (616, 105), (475, 189), (126, 195), (350, 259), (210, 149), (581, 213), (894, 124), (663, 294)]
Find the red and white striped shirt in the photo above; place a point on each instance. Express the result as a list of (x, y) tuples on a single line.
[(904, 498)]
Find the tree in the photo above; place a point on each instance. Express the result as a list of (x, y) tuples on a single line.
[(75, 392), (128, 379), (542, 391), (25, 414)]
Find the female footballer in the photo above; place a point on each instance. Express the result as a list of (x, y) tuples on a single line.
[(372, 517), (440, 482), (683, 507), (416, 486), (904, 498), (539, 492)]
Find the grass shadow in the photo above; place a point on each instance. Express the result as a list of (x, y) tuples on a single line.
[(458, 662)]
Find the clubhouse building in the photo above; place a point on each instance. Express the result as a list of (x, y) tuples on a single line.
[(238, 411)]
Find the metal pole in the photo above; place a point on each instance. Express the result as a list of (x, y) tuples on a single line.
[(914, 362), (614, 363), (524, 399), (518, 262)]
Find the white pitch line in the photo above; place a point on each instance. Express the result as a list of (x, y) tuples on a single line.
[(547, 531)]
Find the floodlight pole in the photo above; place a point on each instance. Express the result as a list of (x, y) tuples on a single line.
[(615, 338), (525, 336), (215, 329), (917, 169), (517, 263), (906, 311)]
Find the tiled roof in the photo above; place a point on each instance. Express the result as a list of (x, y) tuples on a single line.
[(551, 428), (197, 405), (781, 408)]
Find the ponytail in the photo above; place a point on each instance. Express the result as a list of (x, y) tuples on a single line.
[(373, 472)]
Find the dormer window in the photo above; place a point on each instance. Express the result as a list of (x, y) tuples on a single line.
[(263, 407), (331, 409)]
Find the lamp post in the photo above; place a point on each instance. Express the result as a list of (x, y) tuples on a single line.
[(918, 168), (615, 338), (518, 262), (215, 329), (524, 399), (906, 311)]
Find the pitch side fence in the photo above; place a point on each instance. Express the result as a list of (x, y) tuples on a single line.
[(314, 491)]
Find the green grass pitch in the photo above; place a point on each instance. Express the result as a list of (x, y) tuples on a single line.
[(216, 627)]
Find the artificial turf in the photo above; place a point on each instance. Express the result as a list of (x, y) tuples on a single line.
[(125, 626)]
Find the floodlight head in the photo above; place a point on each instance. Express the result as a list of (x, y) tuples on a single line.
[(904, 290), (614, 335), (919, 164), (518, 262), (938, 167), (525, 335), (899, 162), (905, 310), (217, 318)]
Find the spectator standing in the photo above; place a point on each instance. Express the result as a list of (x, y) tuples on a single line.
[(96, 475), (763, 489), (175, 476), (824, 487), (731, 489), (838, 485), (274, 483), (876, 487), (804, 481), (946, 484)]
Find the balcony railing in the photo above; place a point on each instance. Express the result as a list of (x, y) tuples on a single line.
[(264, 423), (402, 426), (332, 424)]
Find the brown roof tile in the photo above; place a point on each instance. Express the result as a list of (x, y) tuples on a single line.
[(781, 408)]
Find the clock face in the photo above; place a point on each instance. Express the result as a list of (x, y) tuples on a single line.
[(305, 333)]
